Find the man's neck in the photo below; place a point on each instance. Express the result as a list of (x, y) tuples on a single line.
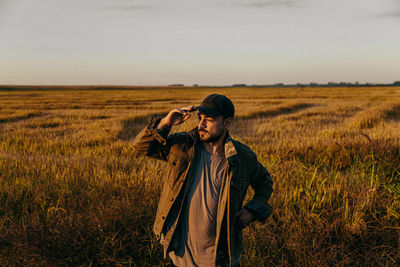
[(217, 147)]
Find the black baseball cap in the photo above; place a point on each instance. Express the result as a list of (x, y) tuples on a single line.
[(216, 105)]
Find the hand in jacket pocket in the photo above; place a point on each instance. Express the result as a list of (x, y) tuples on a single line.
[(245, 217)]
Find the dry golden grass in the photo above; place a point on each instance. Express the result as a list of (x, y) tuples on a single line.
[(73, 192)]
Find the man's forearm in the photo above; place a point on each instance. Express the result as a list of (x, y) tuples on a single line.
[(144, 141), (163, 124), (262, 185)]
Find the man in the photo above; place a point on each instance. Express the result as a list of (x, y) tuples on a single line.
[(200, 217)]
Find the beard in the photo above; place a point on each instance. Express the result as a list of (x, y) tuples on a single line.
[(211, 139)]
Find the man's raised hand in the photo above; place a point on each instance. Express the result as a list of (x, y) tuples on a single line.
[(176, 117)]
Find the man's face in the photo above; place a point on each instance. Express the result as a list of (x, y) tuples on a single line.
[(211, 128)]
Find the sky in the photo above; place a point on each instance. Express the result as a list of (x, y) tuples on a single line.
[(205, 42)]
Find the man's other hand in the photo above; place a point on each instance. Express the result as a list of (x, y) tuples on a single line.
[(245, 216)]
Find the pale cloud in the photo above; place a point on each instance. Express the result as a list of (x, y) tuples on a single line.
[(261, 3), (127, 7), (186, 32), (393, 14)]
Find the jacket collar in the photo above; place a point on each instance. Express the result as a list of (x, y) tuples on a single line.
[(229, 147)]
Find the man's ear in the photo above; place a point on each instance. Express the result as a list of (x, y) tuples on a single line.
[(227, 122)]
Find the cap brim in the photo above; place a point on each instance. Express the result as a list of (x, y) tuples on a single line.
[(208, 111)]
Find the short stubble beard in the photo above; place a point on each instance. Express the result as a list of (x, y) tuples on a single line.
[(213, 139)]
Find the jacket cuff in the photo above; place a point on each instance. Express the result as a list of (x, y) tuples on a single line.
[(260, 211), (159, 135)]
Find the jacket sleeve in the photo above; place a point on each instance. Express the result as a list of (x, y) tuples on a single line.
[(261, 182), (152, 142)]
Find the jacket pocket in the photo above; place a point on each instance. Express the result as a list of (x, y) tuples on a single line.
[(176, 167), (239, 188), (239, 183)]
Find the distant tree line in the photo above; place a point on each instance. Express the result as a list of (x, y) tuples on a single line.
[(130, 87), (313, 84)]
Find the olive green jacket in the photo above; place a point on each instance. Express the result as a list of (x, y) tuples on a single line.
[(243, 170)]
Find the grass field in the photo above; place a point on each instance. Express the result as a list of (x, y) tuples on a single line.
[(73, 191)]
